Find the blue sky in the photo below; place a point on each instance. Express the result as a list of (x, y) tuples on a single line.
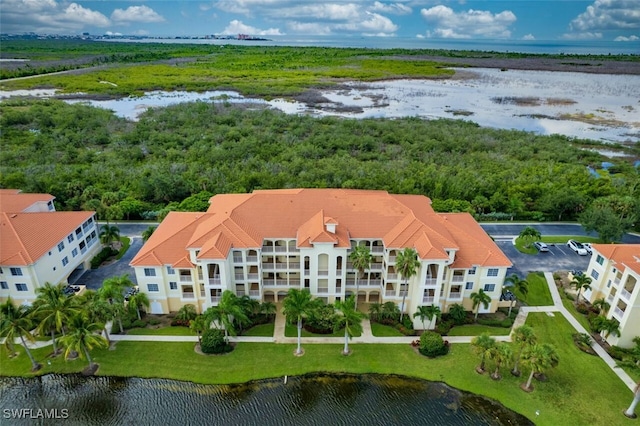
[(617, 20)]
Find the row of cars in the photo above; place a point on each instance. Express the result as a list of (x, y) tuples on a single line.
[(582, 249)]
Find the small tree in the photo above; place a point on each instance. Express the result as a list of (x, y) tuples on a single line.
[(482, 345), (602, 305), (501, 353), (147, 233), (523, 337), (186, 313), (528, 235), (198, 325), (407, 264), (138, 301), (580, 282), (82, 337), (538, 358), (375, 309), (480, 297), (457, 313), (109, 234), (214, 341), (427, 312)]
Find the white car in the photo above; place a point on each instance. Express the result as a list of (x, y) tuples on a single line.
[(587, 246), (577, 247), (542, 247)]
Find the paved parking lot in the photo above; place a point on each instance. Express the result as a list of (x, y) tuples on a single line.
[(559, 257)]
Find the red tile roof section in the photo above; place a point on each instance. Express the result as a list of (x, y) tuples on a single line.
[(622, 254), (14, 201)]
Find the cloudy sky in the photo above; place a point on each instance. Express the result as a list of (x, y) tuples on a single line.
[(488, 19)]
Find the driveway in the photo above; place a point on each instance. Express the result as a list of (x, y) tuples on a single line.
[(546, 229), (559, 257)]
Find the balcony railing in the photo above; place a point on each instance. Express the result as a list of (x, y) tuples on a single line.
[(455, 295), (391, 276), (215, 299), (307, 272), (239, 293), (430, 281), (616, 281), (338, 272), (375, 267), (215, 281), (375, 282), (390, 293), (254, 293), (428, 299), (610, 299), (618, 312), (377, 249), (457, 278), (202, 293), (239, 277), (253, 276), (252, 259), (270, 282), (323, 290), (323, 273), (351, 282), (624, 294), (185, 279), (237, 259), (187, 295), (392, 259)]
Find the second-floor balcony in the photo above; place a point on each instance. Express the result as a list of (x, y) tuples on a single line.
[(392, 276), (254, 293), (215, 299), (390, 293), (323, 290), (430, 281), (455, 295), (625, 295), (215, 280), (457, 278), (618, 313), (188, 295), (186, 278), (428, 299), (239, 276)]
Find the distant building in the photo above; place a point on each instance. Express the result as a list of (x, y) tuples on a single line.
[(264, 243), (39, 244), (615, 271)]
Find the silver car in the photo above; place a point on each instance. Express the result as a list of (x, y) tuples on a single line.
[(577, 247), (542, 247)]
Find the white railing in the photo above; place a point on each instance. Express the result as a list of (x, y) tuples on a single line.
[(428, 299), (430, 281), (186, 295), (625, 294), (215, 299), (254, 293), (268, 282), (83, 250), (237, 259), (215, 281), (392, 276), (616, 281), (351, 282), (338, 272), (202, 293), (294, 282), (618, 312), (375, 267), (267, 249), (390, 293), (323, 290), (610, 299), (338, 289), (375, 282), (281, 266), (239, 277), (252, 259), (392, 259), (239, 293), (185, 279), (457, 279), (294, 265), (323, 273), (455, 295), (253, 276), (268, 266), (307, 272), (377, 249), (281, 249)]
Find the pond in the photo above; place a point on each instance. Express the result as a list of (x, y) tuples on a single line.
[(316, 399)]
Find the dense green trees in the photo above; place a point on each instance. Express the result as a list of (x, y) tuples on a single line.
[(177, 157)]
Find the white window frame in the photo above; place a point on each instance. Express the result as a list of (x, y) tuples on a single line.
[(487, 290), (153, 288)]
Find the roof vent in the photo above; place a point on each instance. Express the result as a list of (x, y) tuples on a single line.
[(14, 216)]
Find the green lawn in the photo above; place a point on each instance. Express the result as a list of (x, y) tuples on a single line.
[(381, 330), (162, 331), (477, 329), (571, 307), (520, 245), (126, 242), (539, 294), (562, 239), (264, 330), (568, 398), (292, 331)]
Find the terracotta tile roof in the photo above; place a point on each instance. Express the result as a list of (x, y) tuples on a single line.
[(622, 254), (245, 220), (14, 201), (26, 237)]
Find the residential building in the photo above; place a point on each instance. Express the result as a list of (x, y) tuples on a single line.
[(615, 273), (39, 244), (264, 243)]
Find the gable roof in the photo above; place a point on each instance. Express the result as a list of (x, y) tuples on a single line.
[(624, 255), (14, 201), (245, 220)]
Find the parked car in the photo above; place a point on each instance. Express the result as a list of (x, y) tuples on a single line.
[(587, 246), (542, 247), (577, 247)]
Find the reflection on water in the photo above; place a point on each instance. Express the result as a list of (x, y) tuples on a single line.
[(307, 400)]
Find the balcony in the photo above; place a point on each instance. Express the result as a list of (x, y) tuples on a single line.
[(430, 281), (390, 293), (239, 277), (376, 267), (392, 259), (375, 282), (616, 281), (624, 294), (455, 295), (351, 282), (252, 259), (215, 299), (618, 313), (610, 299), (215, 281), (254, 293), (253, 276), (338, 272), (428, 299), (322, 290), (267, 249), (323, 273), (188, 295), (270, 282), (240, 293), (457, 279), (392, 276), (186, 279), (237, 259), (377, 249)]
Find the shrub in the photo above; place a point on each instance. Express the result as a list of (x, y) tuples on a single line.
[(619, 353), (443, 327), (213, 342), (321, 320), (432, 345), (139, 324), (407, 322), (103, 255), (154, 321), (582, 308), (180, 323)]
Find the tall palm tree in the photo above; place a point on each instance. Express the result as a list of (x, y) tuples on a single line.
[(198, 325), (580, 282), (53, 309), (298, 305), (228, 311), (99, 311), (15, 322), (112, 291), (82, 337), (538, 358), (602, 305), (501, 353), (375, 309), (630, 412), (361, 259), (407, 264), (478, 298), (137, 301), (523, 337), (350, 319), (109, 234), (427, 312), (520, 285), (482, 345)]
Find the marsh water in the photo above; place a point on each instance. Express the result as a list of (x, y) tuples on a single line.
[(306, 400)]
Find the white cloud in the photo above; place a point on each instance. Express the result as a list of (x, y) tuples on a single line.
[(48, 16), (582, 36), (529, 37), (395, 8), (309, 28), (468, 24), (238, 27), (375, 24), (630, 38), (111, 33), (136, 14), (608, 15)]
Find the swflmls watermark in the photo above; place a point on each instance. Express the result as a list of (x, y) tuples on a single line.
[(35, 413)]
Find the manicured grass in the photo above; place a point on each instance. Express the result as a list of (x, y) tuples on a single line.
[(292, 331), (264, 330), (562, 239), (126, 242), (162, 331), (569, 397), (538, 294), (520, 245), (571, 307), (477, 329), (381, 330)]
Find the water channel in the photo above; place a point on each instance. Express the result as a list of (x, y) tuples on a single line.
[(316, 399)]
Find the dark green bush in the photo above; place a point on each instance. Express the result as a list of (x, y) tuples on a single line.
[(321, 320), (213, 342), (154, 321), (103, 255), (139, 324), (619, 353), (432, 345), (443, 327)]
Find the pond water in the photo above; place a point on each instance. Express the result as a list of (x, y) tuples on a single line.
[(307, 400), (590, 106)]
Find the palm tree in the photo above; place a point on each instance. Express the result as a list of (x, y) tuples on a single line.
[(228, 311), (268, 308), (630, 412), (501, 353), (53, 308), (15, 322), (186, 312), (109, 234), (298, 304), (375, 309), (523, 337), (137, 301), (112, 291), (580, 282), (529, 235), (482, 345), (146, 234), (609, 327), (99, 311), (198, 325), (427, 312), (602, 305), (407, 264), (520, 285), (480, 297), (351, 320), (82, 337), (361, 259), (538, 358), (457, 312), (390, 311)]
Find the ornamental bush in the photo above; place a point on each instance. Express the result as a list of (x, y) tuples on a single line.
[(432, 345), (213, 342)]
